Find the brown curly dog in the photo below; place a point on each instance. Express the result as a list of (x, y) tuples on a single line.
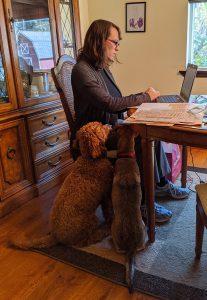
[(73, 220)]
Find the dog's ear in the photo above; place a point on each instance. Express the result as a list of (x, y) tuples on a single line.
[(90, 145), (76, 144)]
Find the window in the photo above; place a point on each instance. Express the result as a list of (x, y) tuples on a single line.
[(197, 33), (67, 24)]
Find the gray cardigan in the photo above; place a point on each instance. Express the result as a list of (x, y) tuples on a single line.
[(92, 101)]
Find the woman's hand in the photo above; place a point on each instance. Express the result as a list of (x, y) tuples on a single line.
[(152, 93)]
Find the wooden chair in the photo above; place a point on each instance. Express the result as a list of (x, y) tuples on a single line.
[(201, 216), (61, 74), (184, 166)]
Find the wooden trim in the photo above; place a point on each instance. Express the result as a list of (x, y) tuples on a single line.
[(53, 30), (58, 27), (14, 53), (17, 200), (30, 111), (76, 17), (32, 2), (8, 67), (200, 73)]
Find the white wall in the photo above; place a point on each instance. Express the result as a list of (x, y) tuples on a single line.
[(152, 58), (84, 17)]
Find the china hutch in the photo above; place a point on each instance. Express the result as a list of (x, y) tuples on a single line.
[(34, 144)]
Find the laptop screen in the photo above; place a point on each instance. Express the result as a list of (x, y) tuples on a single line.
[(188, 81)]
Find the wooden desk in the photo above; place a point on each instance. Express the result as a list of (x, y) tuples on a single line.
[(188, 136)]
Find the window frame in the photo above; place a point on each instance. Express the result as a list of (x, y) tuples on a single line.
[(202, 71), (76, 22), (189, 52)]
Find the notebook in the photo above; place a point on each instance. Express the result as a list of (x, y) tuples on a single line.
[(186, 88)]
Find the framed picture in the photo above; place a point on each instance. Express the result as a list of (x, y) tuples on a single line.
[(136, 17)]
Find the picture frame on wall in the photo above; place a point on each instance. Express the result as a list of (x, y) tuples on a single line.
[(136, 17)]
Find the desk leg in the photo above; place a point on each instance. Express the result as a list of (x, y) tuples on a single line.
[(148, 165), (184, 166)]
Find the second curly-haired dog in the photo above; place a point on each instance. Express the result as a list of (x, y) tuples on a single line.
[(73, 220)]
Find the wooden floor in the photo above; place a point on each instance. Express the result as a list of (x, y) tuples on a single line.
[(28, 275)]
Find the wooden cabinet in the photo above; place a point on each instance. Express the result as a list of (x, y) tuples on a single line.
[(34, 143)]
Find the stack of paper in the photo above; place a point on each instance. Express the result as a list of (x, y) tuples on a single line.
[(168, 114)]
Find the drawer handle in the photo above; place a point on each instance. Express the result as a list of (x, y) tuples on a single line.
[(48, 144), (46, 123), (11, 152), (54, 164)]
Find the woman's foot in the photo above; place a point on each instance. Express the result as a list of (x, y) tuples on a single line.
[(171, 190), (162, 214)]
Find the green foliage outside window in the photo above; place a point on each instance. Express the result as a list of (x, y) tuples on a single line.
[(199, 35)]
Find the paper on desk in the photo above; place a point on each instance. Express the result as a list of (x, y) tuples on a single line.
[(166, 114)]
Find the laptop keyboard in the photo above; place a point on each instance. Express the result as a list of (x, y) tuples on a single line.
[(169, 99)]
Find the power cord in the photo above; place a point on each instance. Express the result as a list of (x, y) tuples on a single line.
[(190, 178), (192, 160)]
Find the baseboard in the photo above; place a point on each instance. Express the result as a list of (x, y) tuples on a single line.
[(17, 200), (197, 169)]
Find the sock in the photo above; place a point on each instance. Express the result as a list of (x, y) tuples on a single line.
[(163, 182)]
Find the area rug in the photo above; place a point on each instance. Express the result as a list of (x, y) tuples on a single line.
[(166, 269)]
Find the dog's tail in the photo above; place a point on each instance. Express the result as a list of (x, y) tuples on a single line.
[(130, 270), (25, 243)]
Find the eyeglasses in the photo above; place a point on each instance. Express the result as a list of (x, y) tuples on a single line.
[(116, 43)]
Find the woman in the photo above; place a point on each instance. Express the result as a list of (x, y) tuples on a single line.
[(98, 98)]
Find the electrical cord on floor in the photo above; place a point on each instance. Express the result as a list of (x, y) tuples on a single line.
[(191, 179), (192, 160)]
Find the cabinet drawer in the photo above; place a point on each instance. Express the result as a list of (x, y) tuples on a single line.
[(44, 122), (52, 163), (49, 143)]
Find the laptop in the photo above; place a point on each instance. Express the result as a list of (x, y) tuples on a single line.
[(186, 88)]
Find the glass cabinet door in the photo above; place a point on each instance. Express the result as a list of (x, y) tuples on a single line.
[(7, 88), (4, 97), (33, 39)]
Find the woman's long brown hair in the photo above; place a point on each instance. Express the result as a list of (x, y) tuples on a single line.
[(93, 48)]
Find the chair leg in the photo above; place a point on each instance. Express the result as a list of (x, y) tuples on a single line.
[(199, 234), (184, 166)]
